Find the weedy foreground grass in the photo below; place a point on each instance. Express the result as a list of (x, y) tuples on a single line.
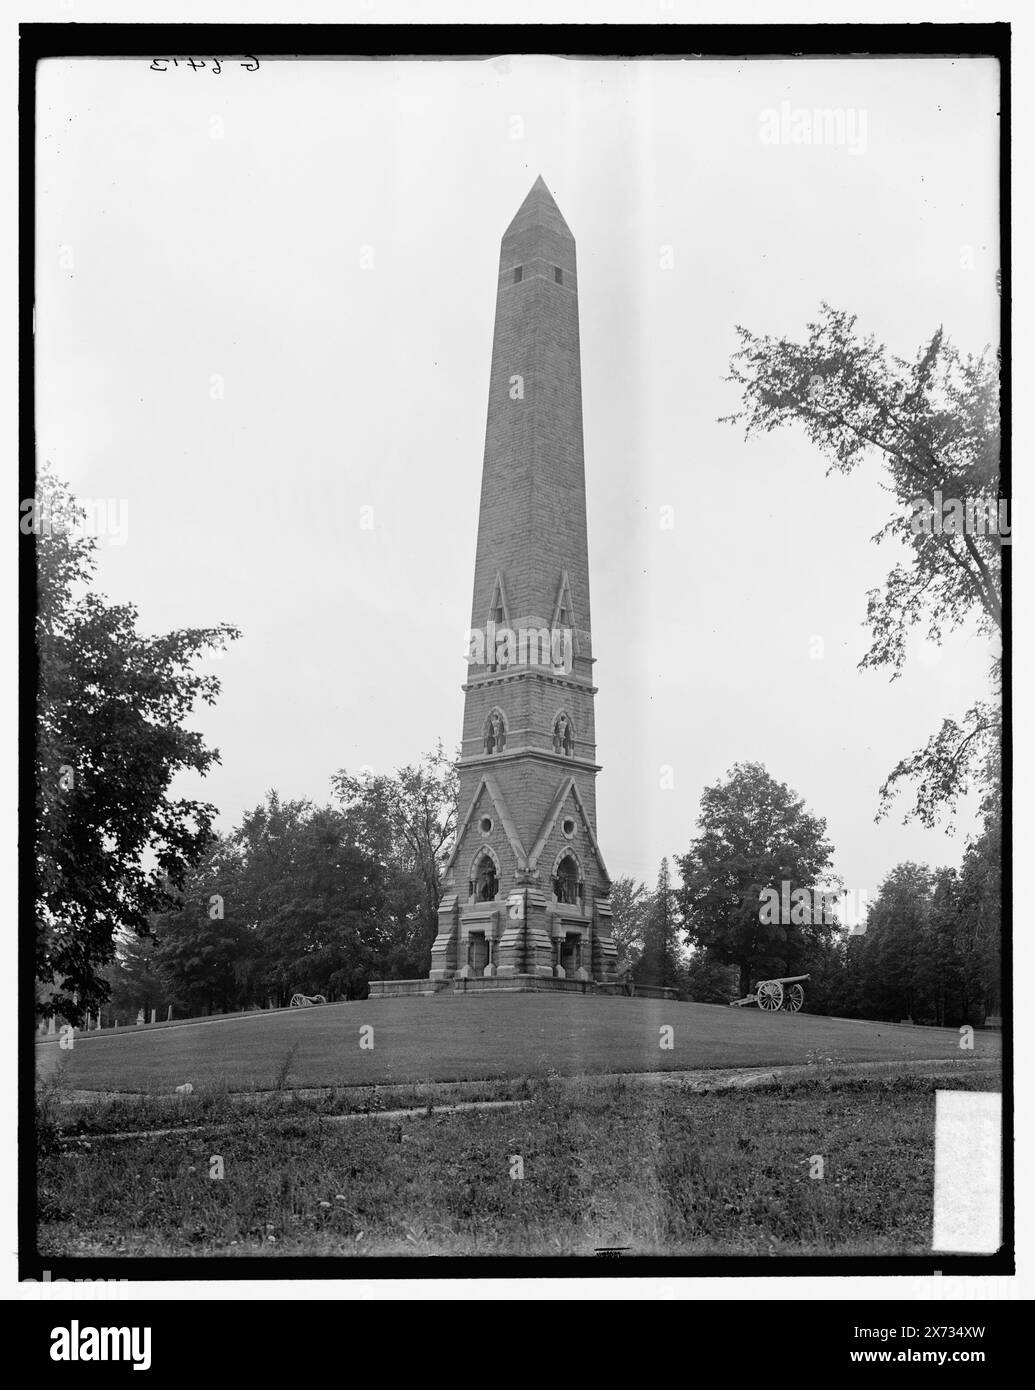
[(824, 1163)]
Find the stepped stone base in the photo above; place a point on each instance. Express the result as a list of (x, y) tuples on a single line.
[(384, 989), (508, 984)]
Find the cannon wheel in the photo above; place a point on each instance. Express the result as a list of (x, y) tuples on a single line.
[(770, 995), (793, 998)]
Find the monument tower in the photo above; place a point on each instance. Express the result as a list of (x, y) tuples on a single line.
[(526, 902)]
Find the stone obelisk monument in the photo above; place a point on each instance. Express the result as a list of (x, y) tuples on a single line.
[(526, 902)]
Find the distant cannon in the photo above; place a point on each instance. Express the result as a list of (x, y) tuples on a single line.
[(306, 1001), (783, 993)]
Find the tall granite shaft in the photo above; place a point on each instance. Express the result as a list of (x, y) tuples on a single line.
[(527, 894)]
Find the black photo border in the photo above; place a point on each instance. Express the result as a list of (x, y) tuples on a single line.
[(663, 42)]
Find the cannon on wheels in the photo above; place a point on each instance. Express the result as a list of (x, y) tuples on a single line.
[(306, 1001), (784, 993)]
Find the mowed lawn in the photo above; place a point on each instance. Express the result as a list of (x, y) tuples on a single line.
[(446, 1038)]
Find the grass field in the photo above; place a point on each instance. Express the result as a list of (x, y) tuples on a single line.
[(571, 1166), (445, 1038)]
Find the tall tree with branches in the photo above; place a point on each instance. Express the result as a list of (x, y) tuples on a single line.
[(406, 819), (111, 842), (934, 426), (755, 835), (630, 907)]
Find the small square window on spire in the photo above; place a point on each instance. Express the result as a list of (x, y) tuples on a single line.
[(517, 274), (558, 274)]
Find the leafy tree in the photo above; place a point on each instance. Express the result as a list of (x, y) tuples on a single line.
[(325, 925), (909, 965), (931, 947), (407, 821), (660, 962), (895, 929), (856, 974), (709, 981), (112, 703), (940, 983), (285, 903), (134, 979), (825, 961), (979, 927), (206, 950), (630, 905), (755, 835), (934, 425)]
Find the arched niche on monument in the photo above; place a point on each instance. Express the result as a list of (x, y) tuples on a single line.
[(567, 883), (494, 732), (564, 735), (484, 883)]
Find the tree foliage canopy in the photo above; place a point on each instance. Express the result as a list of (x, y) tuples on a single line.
[(312, 899), (934, 426), (285, 903), (660, 961), (755, 834), (112, 706), (630, 906), (930, 951), (406, 819)]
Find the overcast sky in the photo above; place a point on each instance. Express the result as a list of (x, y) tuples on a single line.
[(216, 348)]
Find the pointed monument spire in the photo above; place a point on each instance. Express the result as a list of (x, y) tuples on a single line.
[(532, 520), (538, 210)]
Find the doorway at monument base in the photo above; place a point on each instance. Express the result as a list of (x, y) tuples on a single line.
[(526, 934), (525, 942)]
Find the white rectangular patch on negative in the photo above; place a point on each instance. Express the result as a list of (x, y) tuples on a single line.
[(968, 1152)]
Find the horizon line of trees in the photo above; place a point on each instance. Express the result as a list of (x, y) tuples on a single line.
[(300, 898), (320, 900), (929, 950)]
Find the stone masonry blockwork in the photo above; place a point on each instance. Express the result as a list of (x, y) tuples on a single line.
[(527, 895)]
